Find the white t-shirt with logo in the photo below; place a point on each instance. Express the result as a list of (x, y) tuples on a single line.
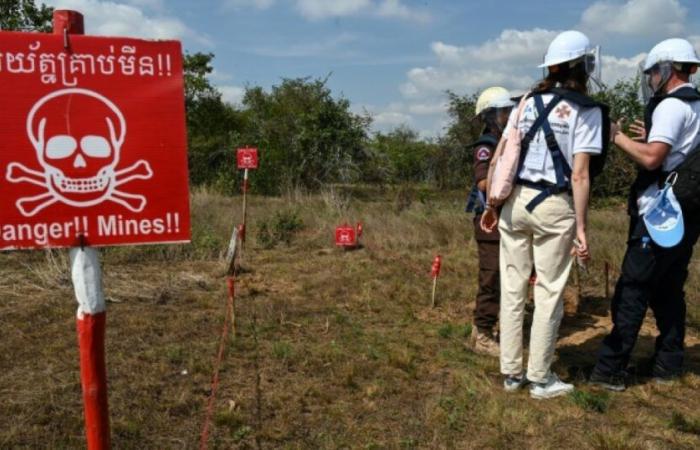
[(576, 129), (676, 123)]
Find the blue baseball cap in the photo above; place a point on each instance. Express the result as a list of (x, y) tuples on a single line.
[(664, 218)]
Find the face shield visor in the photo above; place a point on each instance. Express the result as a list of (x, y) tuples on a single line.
[(593, 65), (653, 80), (496, 119)]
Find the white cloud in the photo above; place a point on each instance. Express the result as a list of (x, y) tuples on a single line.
[(394, 8), (257, 4), (155, 5), (511, 46), (509, 60), (391, 119), (427, 109), (695, 40), (231, 94), (119, 19), (616, 69), (332, 46), (658, 18), (323, 9)]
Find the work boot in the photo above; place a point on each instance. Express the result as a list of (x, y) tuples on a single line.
[(484, 343)]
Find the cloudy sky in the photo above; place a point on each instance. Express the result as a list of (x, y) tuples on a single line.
[(393, 58)]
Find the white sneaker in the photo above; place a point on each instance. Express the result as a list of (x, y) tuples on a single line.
[(553, 387), (514, 382)]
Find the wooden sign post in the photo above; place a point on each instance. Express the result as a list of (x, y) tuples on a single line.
[(246, 159)]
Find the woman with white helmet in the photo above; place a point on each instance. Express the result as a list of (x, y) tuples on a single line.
[(493, 108), (563, 129), (655, 266)]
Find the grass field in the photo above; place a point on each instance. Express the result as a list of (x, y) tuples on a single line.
[(333, 349)]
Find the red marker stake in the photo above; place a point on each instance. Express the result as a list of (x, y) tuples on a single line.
[(87, 282), (435, 272)]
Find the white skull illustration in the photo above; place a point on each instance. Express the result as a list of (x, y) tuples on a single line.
[(77, 135)]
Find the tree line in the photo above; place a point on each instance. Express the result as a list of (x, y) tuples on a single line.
[(308, 138)]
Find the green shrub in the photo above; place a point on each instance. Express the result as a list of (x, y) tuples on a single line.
[(281, 228)]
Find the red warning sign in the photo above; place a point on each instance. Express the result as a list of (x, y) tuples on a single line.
[(345, 236), (92, 142), (247, 158)]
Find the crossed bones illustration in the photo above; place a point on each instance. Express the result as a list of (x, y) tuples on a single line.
[(78, 157)]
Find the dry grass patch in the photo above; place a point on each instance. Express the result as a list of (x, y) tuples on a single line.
[(334, 349)]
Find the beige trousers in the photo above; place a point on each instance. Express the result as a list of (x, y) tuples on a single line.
[(545, 238)]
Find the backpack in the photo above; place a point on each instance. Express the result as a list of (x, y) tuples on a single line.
[(507, 163), (561, 167), (685, 179), (686, 185)]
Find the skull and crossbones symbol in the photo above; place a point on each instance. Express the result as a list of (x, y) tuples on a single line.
[(77, 135)]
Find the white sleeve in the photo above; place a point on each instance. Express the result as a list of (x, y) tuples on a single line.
[(588, 135), (667, 122)]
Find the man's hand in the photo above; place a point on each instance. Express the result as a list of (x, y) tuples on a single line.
[(640, 132), (489, 220), (580, 249)]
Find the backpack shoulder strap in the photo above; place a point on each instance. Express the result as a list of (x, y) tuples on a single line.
[(541, 118), (687, 94)]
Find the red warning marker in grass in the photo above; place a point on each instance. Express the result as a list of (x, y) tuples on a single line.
[(346, 236), (435, 272)]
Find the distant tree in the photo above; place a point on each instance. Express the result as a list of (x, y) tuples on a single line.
[(212, 125), (307, 136), (619, 171), (406, 155), (453, 166), (24, 15)]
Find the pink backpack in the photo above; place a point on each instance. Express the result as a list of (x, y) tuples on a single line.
[(507, 163)]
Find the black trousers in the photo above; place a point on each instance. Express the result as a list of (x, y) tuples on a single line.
[(652, 276), (488, 297)]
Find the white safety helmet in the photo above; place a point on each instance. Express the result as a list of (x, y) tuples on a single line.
[(671, 50), (665, 57), (493, 97), (567, 46)]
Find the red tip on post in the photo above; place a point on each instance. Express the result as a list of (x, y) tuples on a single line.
[(71, 21), (359, 230), (93, 378), (437, 265)]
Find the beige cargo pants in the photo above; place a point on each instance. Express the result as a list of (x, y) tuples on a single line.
[(543, 238)]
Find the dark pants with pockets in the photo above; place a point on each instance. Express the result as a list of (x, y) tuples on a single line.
[(652, 276), (488, 296)]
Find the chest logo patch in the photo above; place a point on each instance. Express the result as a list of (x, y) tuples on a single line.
[(563, 111), (483, 154)]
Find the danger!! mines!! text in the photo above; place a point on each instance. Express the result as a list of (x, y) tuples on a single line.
[(110, 225)]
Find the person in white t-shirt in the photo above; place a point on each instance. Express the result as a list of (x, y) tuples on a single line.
[(547, 210), (653, 275)]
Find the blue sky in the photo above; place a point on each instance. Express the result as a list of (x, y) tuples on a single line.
[(393, 58)]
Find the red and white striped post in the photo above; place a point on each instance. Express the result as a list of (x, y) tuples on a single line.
[(435, 272), (86, 275)]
